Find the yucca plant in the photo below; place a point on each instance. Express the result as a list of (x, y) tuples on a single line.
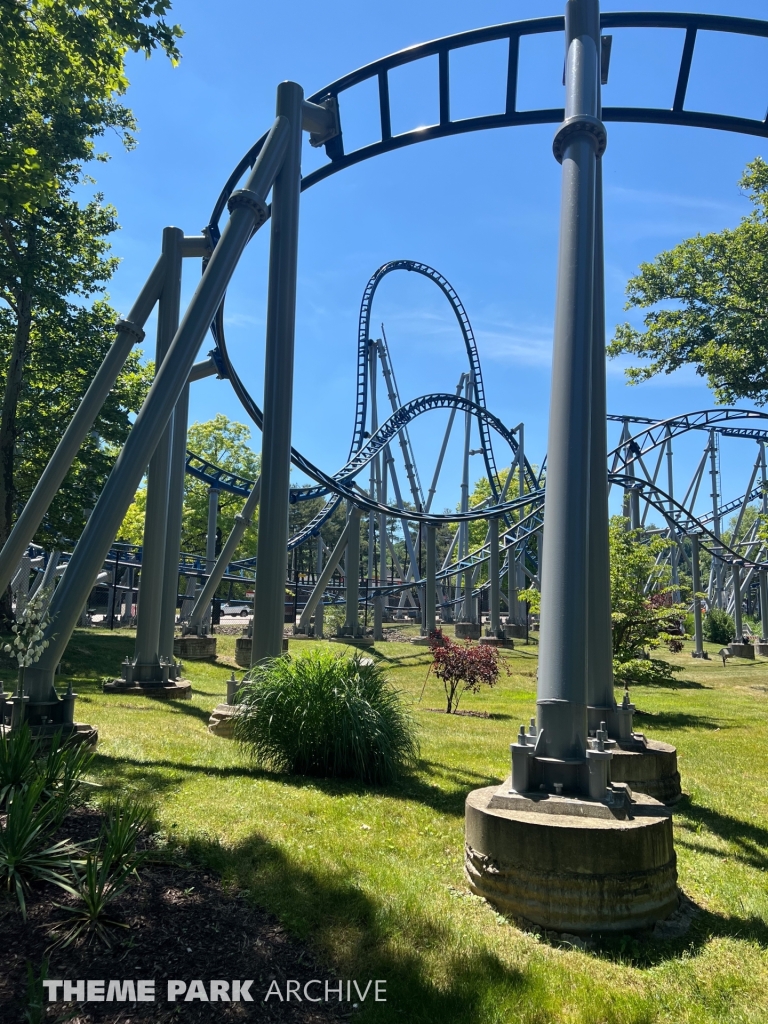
[(62, 770), (18, 753), (27, 853), (106, 873), (325, 715)]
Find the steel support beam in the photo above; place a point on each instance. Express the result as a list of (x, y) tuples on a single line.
[(431, 589), (243, 520), (698, 635), (269, 590), (737, 609), (248, 213), (599, 624), (493, 573), (352, 565), (562, 686), (147, 649), (129, 332), (174, 521)]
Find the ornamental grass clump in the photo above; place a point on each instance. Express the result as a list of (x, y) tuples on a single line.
[(326, 715)]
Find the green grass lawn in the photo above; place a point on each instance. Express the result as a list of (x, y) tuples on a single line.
[(373, 880)]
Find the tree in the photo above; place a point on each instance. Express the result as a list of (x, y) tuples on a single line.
[(61, 73), (462, 667), (224, 443), (718, 284), (641, 620)]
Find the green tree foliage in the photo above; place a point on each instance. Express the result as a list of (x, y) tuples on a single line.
[(226, 444), (640, 621), (61, 76), (708, 297)]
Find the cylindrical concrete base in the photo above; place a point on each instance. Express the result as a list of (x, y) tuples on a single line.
[(651, 769), (570, 873)]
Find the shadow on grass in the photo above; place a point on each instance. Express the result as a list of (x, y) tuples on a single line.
[(644, 951), (148, 777), (326, 907), (678, 720), (750, 841), (186, 707)]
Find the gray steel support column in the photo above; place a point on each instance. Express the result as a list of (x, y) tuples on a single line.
[(216, 572), (210, 543), (717, 565), (319, 607), (562, 685), (174, 521), (269, 591), (698, 635), (147, 650), (493, 573), (599, 628), (129, 332), (763, 604), (352, 565), (737, 621), (248, 212), (431, 590), (330, 566)]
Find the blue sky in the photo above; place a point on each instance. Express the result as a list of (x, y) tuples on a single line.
[(481, 208)]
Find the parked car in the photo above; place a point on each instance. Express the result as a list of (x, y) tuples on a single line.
[(236, 608)]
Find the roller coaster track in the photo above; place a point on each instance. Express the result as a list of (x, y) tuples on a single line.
[(377, 73), (627, 452)]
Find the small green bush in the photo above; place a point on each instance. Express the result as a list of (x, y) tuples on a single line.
[(718, 626), (325, 715), (642, 672)]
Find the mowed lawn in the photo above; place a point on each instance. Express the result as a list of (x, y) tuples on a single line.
[(373, 879)]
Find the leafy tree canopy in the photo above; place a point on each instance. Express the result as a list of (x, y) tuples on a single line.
[(708, 302), (225, 443), (61, 76)]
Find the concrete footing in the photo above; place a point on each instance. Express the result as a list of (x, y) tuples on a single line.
[(222, 720), (571, 865), (514, 631), (468, 630), (761, 649), (353, 641), (742, 650), (77, 733), (647, 766), (179, 689), (496, 641), (194, 648), (244, 646)]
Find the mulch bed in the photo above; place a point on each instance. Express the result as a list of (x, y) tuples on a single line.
[(182, 924)]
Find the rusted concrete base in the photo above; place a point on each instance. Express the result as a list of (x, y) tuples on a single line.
[(194, 648), (179, 690), (571, 872), (647, 766), (244, 646)]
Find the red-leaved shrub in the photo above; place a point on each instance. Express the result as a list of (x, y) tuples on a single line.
[(462, 666)]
